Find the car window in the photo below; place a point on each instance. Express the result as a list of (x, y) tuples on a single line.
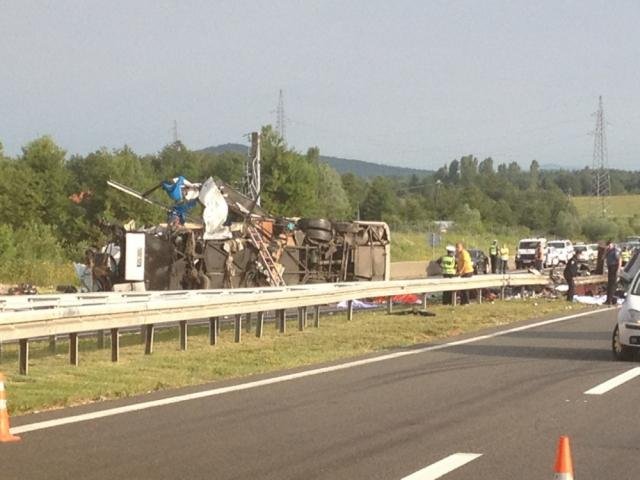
[(556, 244), (528, 245)]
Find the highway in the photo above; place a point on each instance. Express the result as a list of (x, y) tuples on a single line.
[(501, 396)]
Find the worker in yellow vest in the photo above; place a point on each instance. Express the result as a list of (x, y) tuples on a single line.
[(465, 269), (625, 255), (493, 256), (504, 258), (448, 265)]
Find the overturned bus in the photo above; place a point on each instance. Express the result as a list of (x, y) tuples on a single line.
[(251, 249)]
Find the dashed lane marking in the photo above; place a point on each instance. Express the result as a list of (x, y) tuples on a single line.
[(614, 382), (444, 466)]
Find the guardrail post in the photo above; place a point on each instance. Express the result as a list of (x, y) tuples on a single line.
[(183, 334), (502, 293), (143, 333), (302, 320), (73, 349), (115, 344), (522, 291), (52, 343), (248, 321), (213, 330), (24, 356), (479, 295), (424, 300), (238, 328), (454, 298), (350, 310), (259, 324), (316, 316), (100, 339), (148, 339), (283, 320), (389, 305)]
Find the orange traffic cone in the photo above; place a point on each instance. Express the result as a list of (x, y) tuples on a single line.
[(5, 434), (564, 465)]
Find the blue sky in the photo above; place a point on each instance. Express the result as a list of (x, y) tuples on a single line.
[(409, 83)]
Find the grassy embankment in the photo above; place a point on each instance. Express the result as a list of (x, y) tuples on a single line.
[(618, 206), (406, 246), (53, 383)]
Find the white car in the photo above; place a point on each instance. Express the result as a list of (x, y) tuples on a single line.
[(626, 334), (588, 253), (558, 251)]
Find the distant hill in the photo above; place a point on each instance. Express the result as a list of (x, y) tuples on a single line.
[(342, 165)]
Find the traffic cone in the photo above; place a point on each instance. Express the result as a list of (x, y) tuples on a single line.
[(5, 434), (564, 465)]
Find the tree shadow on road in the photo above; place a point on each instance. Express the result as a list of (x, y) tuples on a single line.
[(518, 351)]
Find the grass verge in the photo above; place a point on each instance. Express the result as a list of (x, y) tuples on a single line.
[(53, 383)]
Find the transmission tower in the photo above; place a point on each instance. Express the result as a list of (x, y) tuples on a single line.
[(601, 180), (252, 172), (280, 122)]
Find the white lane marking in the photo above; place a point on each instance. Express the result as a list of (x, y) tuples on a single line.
[(614, 382), (284, 378), (444, 466)]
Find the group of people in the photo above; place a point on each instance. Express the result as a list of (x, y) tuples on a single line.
[(499, 257), (612, 258), (456, 263)]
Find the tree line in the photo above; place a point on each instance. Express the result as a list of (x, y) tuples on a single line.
[(52, 203)]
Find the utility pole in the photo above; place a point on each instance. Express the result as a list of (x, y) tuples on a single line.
[(281, 120), (175, 131), (601, 180), (252, 173)]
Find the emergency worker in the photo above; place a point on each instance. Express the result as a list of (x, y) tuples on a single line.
[(504, 258), (570, 272), (613, 260), (493, 256), (625, 256), (464, 267), (448, 266)]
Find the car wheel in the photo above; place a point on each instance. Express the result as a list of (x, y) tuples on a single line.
[(620, 352)]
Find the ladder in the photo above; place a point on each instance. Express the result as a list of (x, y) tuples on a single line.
[(273, 274)]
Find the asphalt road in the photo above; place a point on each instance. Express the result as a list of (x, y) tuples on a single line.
[(506, 398)]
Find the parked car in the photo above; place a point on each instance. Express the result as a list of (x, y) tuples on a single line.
[(558, 251), (480, 261), (625, 342), (588, 252), (526, 253)]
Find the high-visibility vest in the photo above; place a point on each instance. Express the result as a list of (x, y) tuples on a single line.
[(493, 250), (626, 255), (448, 265), (504, 253)]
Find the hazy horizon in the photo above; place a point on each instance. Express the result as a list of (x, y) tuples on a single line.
[(409, 83)]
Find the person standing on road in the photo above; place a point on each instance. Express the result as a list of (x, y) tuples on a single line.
[(465, 269), (570, 272), (539, 257), (493, 255), (504, 258), (613, 260), (448, 266)]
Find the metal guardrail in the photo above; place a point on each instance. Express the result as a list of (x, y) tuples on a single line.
[(24, 317)]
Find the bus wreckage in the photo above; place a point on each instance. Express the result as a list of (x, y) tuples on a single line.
[(235, 244)]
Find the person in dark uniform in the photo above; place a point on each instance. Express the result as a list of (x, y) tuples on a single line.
[(613, 260), (570, 272)]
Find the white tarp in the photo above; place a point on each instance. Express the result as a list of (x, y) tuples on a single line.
[(215, 211)]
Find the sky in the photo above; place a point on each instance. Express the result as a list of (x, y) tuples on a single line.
[(407, 83)]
